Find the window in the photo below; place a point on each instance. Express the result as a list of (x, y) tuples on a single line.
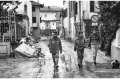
[(91, 6), (76, 4), (34, 19), (40, 20), (33, 8), (53, 23)]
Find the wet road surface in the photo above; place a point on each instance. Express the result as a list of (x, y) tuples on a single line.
[(44, 68)]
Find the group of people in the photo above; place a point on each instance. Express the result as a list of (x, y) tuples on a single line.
[(55, 47)]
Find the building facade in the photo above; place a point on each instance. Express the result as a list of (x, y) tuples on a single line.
[(115, 47), (50, 18), (33, 10), (12, 26), (78, 17), (88, 9)]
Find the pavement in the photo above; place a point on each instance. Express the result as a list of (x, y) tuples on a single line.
[(44, 68), (103, 68), (69, 67)]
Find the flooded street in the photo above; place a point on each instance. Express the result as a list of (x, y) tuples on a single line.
[(44, 68), (14, 68), (83, 37)]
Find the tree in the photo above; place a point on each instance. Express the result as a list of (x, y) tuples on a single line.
[(110, 17)]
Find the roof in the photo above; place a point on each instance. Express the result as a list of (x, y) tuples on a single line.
[(50, 9), (36, 3)]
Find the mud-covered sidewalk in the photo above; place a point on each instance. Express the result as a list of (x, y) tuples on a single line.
[(43, 67)]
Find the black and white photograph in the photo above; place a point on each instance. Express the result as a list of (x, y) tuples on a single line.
[(59, 39)]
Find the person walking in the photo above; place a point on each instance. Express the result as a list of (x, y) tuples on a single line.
[(94, 41), (79, 47), (55, 47)]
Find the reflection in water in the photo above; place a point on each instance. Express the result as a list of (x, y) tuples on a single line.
[(56, 75)]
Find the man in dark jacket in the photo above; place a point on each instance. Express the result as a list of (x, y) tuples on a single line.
[(94, 42), (79, 47), (54, 47)]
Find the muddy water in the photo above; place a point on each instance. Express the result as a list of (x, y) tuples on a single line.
[(20, 68)]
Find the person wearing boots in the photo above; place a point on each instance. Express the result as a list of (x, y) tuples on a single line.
[(79, 47), (94, 41), (55, 47)]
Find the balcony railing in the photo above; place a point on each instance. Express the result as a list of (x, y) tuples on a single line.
[(34, 25)]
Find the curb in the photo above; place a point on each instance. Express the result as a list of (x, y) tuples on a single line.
[(100, 53), (101, 71)]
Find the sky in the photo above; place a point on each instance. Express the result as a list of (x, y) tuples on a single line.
[(58, 3), (52, 2)]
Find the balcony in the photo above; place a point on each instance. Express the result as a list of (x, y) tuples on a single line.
[(34, 25)]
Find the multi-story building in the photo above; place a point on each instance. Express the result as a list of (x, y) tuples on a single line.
[(78, 17), (66, 19), (33, 12), (50, 18), (12, 26), (115, 46), (72, 19), (88, 9)]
